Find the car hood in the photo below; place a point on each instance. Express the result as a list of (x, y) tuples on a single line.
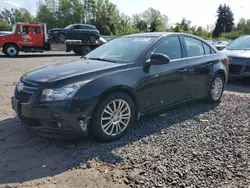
[(237, 53), (70, 71), (7, 35)]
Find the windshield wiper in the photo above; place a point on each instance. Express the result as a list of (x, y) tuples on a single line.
[(246, 49), (101, 59)]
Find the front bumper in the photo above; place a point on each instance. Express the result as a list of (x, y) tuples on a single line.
[(51, 120), (239, 69)]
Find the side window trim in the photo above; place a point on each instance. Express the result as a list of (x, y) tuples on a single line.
[(165, 38), (203, 46), (185, 36)]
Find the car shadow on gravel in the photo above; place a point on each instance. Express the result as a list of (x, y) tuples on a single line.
[(26, 156)]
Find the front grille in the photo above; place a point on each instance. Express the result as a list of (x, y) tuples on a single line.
[(235, 69), (22, 96), (247, 69), (26, 91)]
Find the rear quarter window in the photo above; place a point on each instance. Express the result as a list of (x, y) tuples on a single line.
[(194, 47), (208, 50)]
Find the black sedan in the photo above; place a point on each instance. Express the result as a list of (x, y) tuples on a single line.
[(238, 52), (103, 93), (84, 32)]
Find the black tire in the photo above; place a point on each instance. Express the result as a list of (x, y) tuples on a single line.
[(96, 130), (210, 98), (11, 50), (77, 51), (82, 50), (61, 37), (92, 38)]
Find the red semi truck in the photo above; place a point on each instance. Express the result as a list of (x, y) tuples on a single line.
[(34, 38)]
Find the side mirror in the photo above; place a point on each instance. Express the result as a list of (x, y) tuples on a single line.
[(158, 59)]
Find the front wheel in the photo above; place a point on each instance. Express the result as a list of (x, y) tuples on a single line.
[(216, 89), (112, 118), (11, 50), (82, 50), (61, 37)]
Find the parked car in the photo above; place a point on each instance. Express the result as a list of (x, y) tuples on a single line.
[(239, 53), (221, 45), (104, 92), (5, 32), (211, 42), (84, 32)]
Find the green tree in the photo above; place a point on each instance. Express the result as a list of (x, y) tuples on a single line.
[(4, 26), (155, 20), (13, 16), (47, 13), (225, 21), (70, 11), (139, 23)]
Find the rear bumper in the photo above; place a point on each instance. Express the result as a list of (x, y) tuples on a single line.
[(239, 70), (51, 120)]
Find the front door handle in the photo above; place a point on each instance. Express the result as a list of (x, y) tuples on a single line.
[(182, 70), (209, 64)]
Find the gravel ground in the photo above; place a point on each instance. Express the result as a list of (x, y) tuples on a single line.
[(198, 145)]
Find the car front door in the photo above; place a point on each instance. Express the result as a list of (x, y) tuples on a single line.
[(37, 36), (200, 64), (165, 84), (24, 36)]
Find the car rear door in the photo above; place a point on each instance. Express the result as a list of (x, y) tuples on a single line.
[(37, 36), (75, 33), (165, 85), (200, 63)]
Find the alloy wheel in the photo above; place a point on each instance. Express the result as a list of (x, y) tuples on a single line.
[(61, 37), (92, 38), (217, 88), (115, 117)]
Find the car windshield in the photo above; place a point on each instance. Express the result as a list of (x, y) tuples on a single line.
[(121, 50), (239, 44), (68, 27)]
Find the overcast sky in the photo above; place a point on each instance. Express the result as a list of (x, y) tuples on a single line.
[(200, 12)]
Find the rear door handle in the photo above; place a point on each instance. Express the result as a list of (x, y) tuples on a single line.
[(209, 64)]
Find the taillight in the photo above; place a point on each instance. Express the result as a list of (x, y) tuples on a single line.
[(227, 60)]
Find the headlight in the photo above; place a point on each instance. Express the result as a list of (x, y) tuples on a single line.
[(63, 93)]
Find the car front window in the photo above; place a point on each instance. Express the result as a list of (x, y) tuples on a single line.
[(239, 44), (122, 49), (68, 27)]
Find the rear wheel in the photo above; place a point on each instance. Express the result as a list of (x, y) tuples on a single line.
[(112, 118), (11, 50), (92, 38), (216, 89)]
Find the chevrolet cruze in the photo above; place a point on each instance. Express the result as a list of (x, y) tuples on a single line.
[(104, 92)]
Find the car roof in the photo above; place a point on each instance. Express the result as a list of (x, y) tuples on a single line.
[(84, 24), (160, 34)]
